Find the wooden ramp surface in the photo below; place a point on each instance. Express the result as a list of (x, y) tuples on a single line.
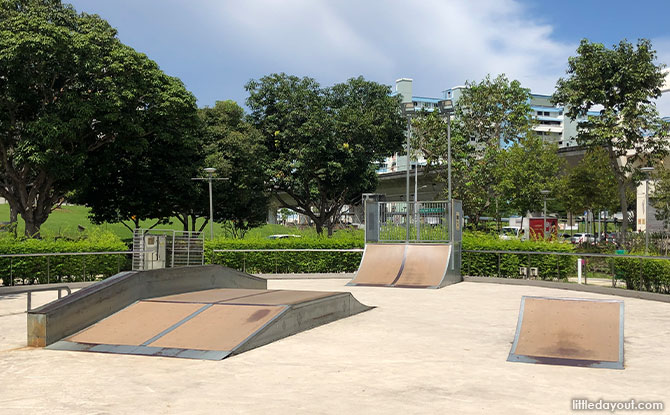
[(209, 324), (381, 264), (425, 266), (573, 332), (403, 265)]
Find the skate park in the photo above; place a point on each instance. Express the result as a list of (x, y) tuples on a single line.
[(416, 350)]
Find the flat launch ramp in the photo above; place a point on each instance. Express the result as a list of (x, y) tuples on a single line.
[(210, 324), (569, 331), (406, 265)]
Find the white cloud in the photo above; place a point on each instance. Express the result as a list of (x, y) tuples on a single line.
[(439, 43)]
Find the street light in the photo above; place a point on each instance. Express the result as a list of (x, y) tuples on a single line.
[(408, 112), (446, 106), (210, 176), (544, 216), (647, 171)]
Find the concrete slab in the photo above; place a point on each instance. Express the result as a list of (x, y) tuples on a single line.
[(418, 352)]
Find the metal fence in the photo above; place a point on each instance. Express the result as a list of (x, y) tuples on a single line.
[(416, 222), (160, 248), (638, 272), (57, 266)]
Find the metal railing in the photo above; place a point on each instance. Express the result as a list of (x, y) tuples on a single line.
[(427, 221), (33, 289), (529, 263), (50, 255)]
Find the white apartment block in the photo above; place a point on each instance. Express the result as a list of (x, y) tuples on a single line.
[(551, 123)]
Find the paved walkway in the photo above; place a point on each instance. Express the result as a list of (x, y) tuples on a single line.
[(420, 351)]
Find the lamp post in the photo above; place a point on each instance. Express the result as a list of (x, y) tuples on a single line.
[(446, 106), (407, 112), (647, 171), (544, 215), (210, 177)]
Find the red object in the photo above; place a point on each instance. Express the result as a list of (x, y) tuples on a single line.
[(535, 225)]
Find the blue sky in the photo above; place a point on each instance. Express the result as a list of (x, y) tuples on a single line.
[(216, 46)]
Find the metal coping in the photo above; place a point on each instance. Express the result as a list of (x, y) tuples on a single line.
[(619, 364)]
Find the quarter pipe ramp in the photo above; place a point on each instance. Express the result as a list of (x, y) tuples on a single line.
[(406, 265)]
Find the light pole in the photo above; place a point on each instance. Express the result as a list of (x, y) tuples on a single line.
[(544, 216), (407, 112), (446, 106), (647, 171), (210, 177)]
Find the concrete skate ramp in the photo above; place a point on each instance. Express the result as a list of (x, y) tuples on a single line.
[(381, 264), (69, 315), (211, 324), (405, 265), (571, 332), (425, 266)]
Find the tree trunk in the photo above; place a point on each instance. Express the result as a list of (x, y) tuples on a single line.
[(624, 210), (32, 228), (13, 219)]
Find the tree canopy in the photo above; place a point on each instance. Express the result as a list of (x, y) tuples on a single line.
[(68, 89), (235, 148), (323, 142), (623, 81), (497, 162)]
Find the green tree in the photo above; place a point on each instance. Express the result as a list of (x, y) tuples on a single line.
[(623, 80), (236, 149), (591, 184), (526, 168), (324, 143), (68, 88), (488, 117), (494, 111)]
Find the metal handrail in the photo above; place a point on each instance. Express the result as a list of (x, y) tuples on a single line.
[(69, 253), (579, 254), (31, 290), (48, 255), (291, 250)]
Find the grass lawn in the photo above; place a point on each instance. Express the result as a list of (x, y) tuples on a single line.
[(65, 221)]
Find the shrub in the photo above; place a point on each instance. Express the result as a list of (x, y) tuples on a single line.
[(290, 262), (42, 269), (644, 274), (486, 265)]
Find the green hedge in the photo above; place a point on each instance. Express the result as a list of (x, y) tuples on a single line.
[(297, 262), (486, 265), (651, 275), (286, 262), (42, 269)]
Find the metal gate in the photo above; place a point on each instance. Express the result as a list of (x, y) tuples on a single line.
[(160, 248), (407, 222)]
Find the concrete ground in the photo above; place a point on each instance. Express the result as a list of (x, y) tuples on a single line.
[(420, 351)]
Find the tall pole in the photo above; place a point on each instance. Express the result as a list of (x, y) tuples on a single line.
[(416, 200), (647, 171), (544, 219), (451, 207), (646, 214), (211, 209), (409, 131)]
